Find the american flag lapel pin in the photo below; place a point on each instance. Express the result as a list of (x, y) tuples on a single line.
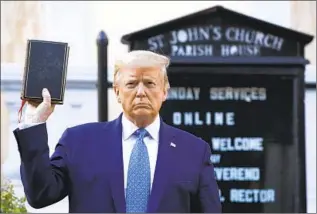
[(173, 144)]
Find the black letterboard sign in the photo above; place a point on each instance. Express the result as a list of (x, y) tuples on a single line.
[(247, 121)]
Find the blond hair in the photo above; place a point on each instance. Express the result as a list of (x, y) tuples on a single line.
[(142, 58)]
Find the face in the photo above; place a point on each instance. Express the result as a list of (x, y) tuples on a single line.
[(141, 92)]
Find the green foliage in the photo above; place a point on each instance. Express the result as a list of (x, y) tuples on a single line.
[(9, 202)]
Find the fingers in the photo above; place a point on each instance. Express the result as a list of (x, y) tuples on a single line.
[(39, 112), (46, 97), (33, 104)]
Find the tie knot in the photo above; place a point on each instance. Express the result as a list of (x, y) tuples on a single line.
[(141, 133)]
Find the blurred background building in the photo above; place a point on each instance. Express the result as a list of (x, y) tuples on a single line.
[(79, 22)]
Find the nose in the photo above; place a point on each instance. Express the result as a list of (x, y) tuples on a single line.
[(140, 90)]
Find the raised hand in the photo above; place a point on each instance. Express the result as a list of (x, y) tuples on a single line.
[(39, 113)]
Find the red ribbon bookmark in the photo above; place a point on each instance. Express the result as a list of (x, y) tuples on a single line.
[(20, 110)]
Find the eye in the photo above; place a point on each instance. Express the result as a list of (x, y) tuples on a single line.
[(130, 84), (150, 83)]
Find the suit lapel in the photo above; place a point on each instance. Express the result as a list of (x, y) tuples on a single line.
[(117, 178), (162, 169)]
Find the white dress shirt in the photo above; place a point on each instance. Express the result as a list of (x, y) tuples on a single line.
[(128, 141)]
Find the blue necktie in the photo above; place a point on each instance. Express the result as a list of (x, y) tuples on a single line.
[(139, 176)]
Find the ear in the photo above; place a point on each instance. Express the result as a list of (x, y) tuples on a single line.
[(165, 95), (115, 89), (117, 93)]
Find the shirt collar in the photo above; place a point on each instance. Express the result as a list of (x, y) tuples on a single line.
[(128, 128)]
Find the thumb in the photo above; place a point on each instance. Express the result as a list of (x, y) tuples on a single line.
[(46, 97)]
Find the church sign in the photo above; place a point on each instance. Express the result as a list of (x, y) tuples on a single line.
[(215, 40)]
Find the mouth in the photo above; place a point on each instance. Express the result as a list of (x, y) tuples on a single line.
[(142, 105)]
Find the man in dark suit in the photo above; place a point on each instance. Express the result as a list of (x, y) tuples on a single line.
[(135, 163)]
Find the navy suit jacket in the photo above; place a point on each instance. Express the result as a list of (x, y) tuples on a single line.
[(87, 166)]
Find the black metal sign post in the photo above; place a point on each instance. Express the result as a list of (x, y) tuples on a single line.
[(102, 82), (238, 83)]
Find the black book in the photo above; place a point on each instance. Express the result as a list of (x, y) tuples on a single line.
[(45, 67)]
